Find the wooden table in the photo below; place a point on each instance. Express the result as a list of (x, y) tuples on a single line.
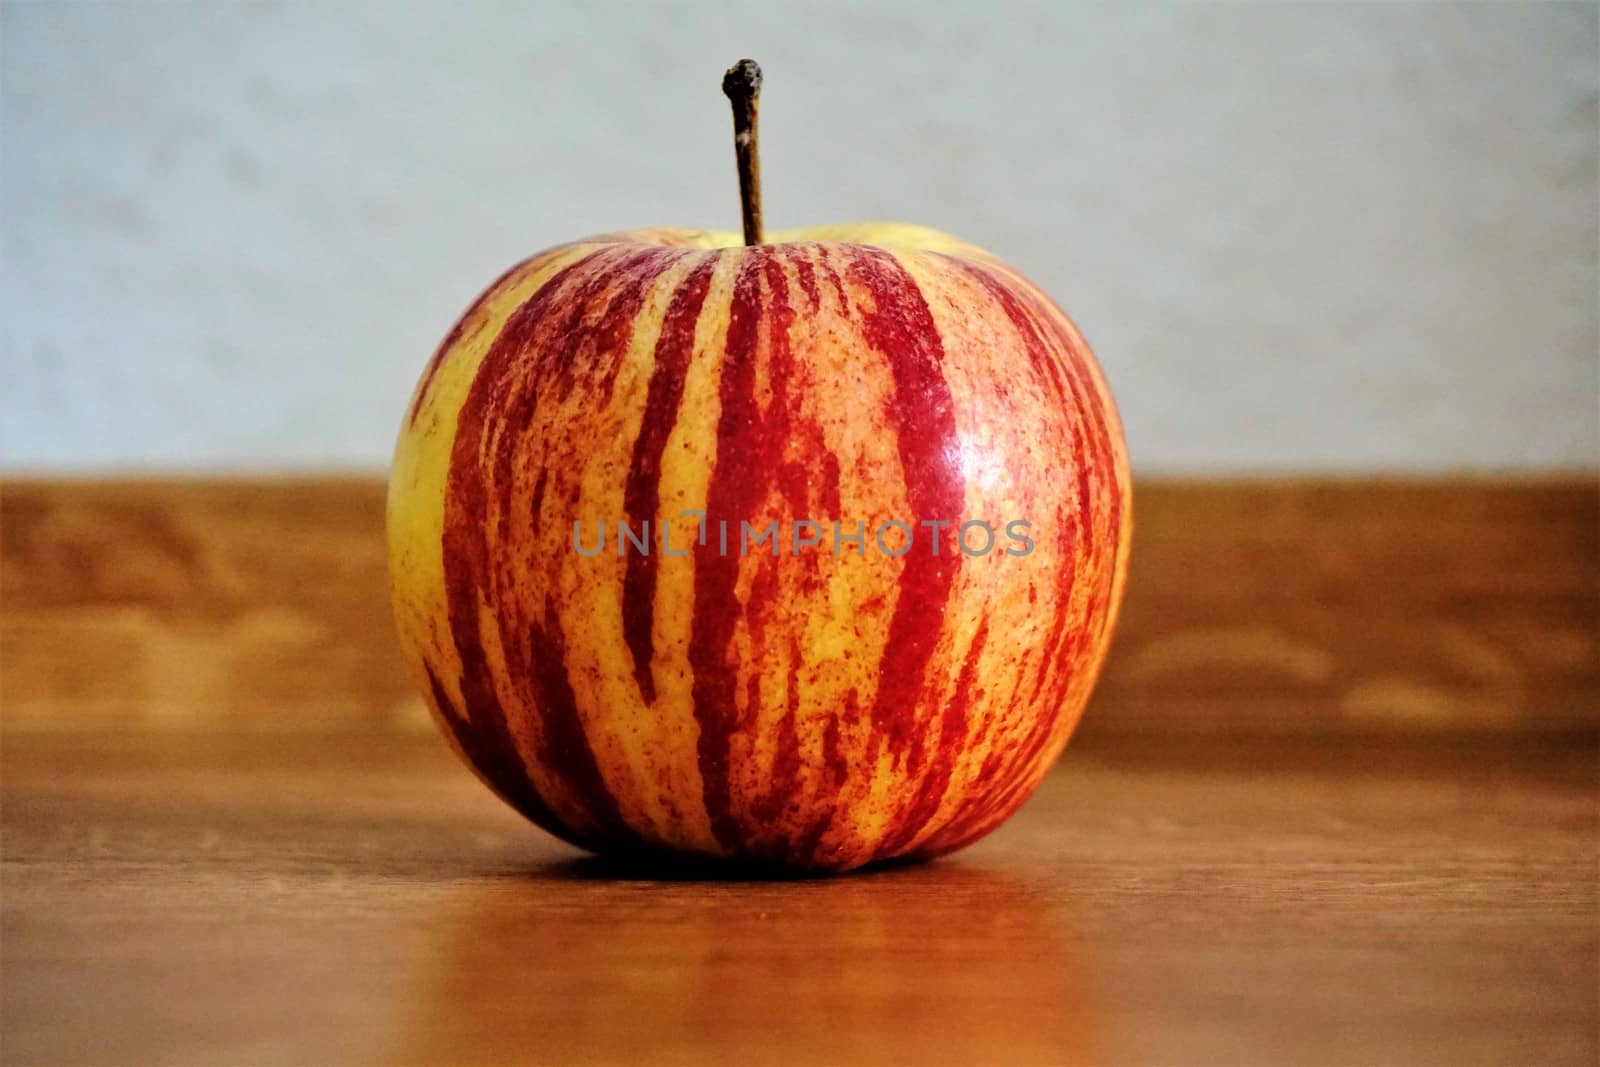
[(1368, 834), (287, 898)]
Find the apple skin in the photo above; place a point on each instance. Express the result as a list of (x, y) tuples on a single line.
[(807, 712)]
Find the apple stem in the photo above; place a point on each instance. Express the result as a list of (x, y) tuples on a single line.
[(742, 85)]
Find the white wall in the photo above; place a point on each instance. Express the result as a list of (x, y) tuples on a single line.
[(1300, 237)]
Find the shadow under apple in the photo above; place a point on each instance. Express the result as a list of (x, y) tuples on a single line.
[(591, 960)]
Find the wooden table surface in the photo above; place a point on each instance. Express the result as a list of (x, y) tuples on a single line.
[(285, 898)]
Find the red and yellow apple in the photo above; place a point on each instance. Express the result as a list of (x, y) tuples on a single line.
[(861, 694)]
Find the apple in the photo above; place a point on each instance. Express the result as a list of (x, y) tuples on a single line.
[(802, 549)]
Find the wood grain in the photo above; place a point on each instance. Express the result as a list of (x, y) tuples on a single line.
[(1349, 607), (185, 898), (237, 604), (1310, 607), (1337, 802)]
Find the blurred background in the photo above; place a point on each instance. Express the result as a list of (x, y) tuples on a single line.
[(1302, 238)]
